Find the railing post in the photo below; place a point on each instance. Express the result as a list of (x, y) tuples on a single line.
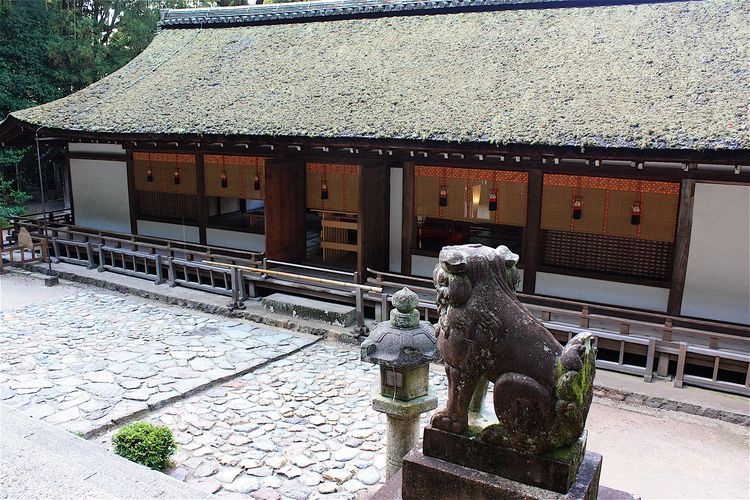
[(649, 375), (360, 302), (585, 317), (662, 368), (159, 273), (56, 249), (680, 365), (90, 256), (171, 273), (384, 316), (101, 259)]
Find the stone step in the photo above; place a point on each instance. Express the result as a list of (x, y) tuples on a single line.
[(306, 308)]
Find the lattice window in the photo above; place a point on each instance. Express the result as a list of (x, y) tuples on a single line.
[(608, 254), (168, 206)]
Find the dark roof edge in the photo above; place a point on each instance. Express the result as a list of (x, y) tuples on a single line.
[(328, 10), (15, 132)]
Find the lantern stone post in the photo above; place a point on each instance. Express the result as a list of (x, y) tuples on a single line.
[(404, 348)]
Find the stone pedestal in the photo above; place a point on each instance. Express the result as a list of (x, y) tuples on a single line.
[(427, 477), (555, 471), (403, 425)]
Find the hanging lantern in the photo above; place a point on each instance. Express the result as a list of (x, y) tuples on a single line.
[(177, 175), (223, 178), (256, 181), (443, 200), (577, 203), (149, 174), (493, 201), (635, 216), (324, 190)]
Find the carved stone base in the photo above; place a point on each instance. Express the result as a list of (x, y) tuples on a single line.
[(555, 471), (428, 477)]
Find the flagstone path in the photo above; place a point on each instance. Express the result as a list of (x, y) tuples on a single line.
[(92, 360), (301, 427)]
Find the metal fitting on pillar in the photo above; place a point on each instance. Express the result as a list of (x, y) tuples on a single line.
[(404, 348)]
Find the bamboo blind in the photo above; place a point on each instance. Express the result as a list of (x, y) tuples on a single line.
[(240, 172), (343, 187), (468, 192), (163, 167), (607, 206)]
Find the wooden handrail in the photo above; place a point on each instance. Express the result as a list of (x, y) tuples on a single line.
[(299, 277)]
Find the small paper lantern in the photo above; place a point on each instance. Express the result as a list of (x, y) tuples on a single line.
[(324, 190), (443, 199), (223, 178), (577, 204), (635, 216), (493, 201), (256, 182), (149, 174), (176, 175)]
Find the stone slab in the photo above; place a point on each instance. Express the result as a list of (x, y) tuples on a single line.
[(428, 477), (555, 471), (302, 307)]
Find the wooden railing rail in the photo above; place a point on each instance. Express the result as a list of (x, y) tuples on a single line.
[(74, 252), (132, 263)]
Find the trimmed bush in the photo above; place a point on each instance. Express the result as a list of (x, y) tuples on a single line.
[(146, 444)]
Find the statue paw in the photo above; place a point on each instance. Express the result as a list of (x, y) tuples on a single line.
[(447, 422)]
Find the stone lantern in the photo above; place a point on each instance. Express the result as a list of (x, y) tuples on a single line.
[(404, 348)]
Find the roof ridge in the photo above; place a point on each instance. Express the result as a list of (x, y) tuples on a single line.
[(343, 9)]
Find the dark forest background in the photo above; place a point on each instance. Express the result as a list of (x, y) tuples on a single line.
[(52, 48)]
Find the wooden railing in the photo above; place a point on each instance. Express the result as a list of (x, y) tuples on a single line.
[(640, 342)]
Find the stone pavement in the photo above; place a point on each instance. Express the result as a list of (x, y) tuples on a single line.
[(300, 428), (91, 360)]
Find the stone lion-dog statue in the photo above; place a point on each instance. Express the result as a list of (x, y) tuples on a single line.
[(542, 390)]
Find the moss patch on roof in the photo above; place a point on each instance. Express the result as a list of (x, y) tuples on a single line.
[(671, 75)]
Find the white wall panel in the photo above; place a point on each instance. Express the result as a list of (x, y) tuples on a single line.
[(396, 223), (100, 194), (177, 232), (604, 292), (717, 282), (233, 239)]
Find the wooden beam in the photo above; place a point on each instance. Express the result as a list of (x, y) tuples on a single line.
[(96, 156), (132, 198), (202, 201), (69, 189), (681, 246), (532, 234), (408, 217)]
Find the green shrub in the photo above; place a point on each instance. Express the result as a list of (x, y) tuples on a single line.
[(146, 444)]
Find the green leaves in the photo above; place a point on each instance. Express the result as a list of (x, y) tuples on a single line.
[(145, 444)]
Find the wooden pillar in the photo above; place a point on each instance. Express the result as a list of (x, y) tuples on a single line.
[(132, 198), (408, 217), (69, 190), (200, 170), (681, 246), (532, 235), (374, 217), (285, 191)]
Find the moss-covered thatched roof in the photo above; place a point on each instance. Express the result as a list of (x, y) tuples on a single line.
[(665, 75)]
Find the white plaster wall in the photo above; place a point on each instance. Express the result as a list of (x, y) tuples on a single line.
[(189, 234), (422, 265), (603, 292), (396, 222), (100, 194), (233, 239), (717, 282), (83, 147)]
